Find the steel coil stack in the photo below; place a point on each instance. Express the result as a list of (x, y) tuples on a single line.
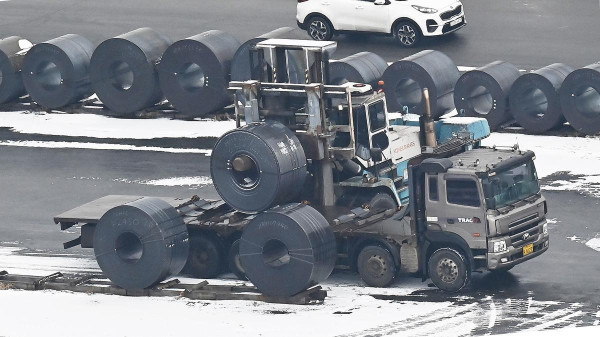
[(534, 98), (56, 72), (195, 72), (287, 249), (580, 99), (241, 69), (258, 166), (363, 67), (483, 92), (12, 52), (141, 243), (405, 80), (123, 70)]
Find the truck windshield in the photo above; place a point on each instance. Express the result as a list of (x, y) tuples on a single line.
[(510, 186)]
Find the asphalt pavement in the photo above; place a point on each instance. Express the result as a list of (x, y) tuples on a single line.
[(529, 33)]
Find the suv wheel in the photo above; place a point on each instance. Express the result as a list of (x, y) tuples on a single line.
[(407, 34), (320, 29), (448, 269)]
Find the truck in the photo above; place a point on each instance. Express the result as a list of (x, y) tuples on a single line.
[(317, 177)]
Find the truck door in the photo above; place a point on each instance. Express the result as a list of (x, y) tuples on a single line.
[(454, 205), (371, 17)]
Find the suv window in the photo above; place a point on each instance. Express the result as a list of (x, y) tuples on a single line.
[(462, 192)]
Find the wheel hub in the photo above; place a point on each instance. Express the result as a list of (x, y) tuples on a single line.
[(407, 35), (318, 30), (447, 269), (376, 266)]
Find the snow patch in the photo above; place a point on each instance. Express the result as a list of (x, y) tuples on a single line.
[(99, 146), (97, 126), (180, 181), (594, 244)]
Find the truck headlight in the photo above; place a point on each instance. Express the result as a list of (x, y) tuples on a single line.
[(545, 228), (426, 10), (499, 246)]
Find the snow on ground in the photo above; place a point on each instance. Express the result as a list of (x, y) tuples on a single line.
[(173, 181), (594, 244), (98, 146), (350, 310), (97, 126), (578, 157)]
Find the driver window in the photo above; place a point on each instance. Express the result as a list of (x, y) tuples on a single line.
[(462, 192), (377, 116)]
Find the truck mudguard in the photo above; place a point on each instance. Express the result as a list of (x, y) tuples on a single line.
[(451, 239)]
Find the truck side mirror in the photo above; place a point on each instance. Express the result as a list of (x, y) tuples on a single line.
[(376, 154)]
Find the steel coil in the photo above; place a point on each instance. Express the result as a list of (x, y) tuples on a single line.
[(123, 70), (364, 67), (240, 66), (12, 53), (141, 243), (258, 166), (195, 72), (405, 80), (580, 99), (287, 250), (534, 98), (56, 72), (483, 92)]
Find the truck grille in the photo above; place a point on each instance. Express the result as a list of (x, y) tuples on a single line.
[(524, 230), (450, 14)]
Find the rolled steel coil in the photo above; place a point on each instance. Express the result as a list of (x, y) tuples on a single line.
[(123, 70), (258, 166), (56, 72), (141, 243), (288, 249), (240, 66), (195, 72), (580, 99), (534, 98), (405, 80), (12, 53), (483, 92), (363, 67)]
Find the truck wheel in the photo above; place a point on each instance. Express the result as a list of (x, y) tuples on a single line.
[(407, 34), (382, 201), (376, 266), (233, 260), (320, 29), (206, 256), (448, 269)]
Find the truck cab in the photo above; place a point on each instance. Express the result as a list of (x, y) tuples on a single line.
[(478, 210)]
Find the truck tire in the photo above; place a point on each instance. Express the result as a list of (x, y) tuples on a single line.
[(206, 256), (141, 243), (123, 70), (258, 166), (404, 81), (376, 266), (56, 72), (382, 201), (11, 63), (319, 28), (484, 92), (407, 34), (448, 269), (234, 262), (194, 72), (288, 249)]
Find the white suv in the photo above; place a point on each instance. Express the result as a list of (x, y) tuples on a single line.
[(407, 20)]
